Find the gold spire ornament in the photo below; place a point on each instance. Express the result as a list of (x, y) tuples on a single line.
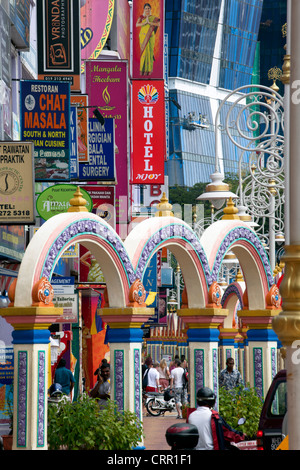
[(230, 211), (78, 203), (286, 66), (164, 207)]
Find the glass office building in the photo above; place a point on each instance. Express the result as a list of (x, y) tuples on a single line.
[(212, 51)]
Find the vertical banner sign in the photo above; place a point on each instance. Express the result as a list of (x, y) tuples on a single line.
[(58, 32), (96, 22), (148, 39), (101, 166), (148, 140), (107, 87), (45, 120), (73, 143), (81, 103)]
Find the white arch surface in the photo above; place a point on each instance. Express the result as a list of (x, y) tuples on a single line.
[(38, 248)]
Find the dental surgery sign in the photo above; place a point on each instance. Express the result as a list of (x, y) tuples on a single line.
[(101, 166), (45, 121), (148, 132)]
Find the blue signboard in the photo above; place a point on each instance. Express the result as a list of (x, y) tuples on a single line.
[(73, 143), (101, 166), (45, 121)]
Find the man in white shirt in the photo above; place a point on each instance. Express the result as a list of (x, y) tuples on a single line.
[(214, 432), (201, 418), (177, 384), (153, 379)]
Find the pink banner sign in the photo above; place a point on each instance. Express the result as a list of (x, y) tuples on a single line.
[(96, 19), (106, 86)]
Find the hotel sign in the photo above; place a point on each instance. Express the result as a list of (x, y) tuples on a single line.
[(148, 132)]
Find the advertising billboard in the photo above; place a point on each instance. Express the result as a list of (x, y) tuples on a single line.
[(148, 142), (96, 21), (45, 120), (16, 183), (107, 88), (101, 166), (148, 39), (81, 103), (58, 31)]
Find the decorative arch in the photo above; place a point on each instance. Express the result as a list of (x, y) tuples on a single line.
[(57, 235), (232, 296), (237, 237), (200, 260), (123, 263), (153, 234)]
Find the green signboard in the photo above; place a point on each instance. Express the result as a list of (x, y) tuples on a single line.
[(56, 199)]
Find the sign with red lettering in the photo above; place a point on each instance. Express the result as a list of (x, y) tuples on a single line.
[(148, 132), (45, 121)]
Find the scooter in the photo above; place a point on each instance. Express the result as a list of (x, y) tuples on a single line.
[(184, 436), (158, 403)]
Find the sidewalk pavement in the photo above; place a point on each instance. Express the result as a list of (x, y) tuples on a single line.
[(155, 430)]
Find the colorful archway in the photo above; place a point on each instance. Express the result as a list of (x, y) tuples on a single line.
[(123, 265)]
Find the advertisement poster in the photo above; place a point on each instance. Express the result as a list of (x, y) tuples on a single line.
[(101, 166), (148, 141), (96, 20), (56, 199), (12, 241), (73, 143), (16, 183), (45, 121), (107, 85), (81, 103), (148, 39), (58, 31)]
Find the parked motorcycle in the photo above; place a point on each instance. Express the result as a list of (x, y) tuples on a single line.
[(158, 403)]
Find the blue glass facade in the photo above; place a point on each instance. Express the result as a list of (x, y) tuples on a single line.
[(212, 44), (240, 33), (271, 39)]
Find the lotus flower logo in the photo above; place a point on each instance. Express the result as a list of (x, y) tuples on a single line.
[(148, 94)]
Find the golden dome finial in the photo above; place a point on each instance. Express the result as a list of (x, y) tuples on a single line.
[(164, 207), (239, 277), (78, 203), (230, 211)]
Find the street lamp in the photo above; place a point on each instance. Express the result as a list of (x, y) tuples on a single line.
[(217, 191)]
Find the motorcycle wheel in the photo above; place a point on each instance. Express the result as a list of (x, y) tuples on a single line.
[(153, 412)]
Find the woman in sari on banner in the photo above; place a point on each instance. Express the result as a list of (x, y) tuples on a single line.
[(148, 24)]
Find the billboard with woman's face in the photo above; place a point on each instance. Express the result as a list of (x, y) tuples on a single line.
[(147, 39)]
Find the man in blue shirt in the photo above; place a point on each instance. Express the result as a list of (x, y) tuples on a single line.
[(64, 377), (229, 377)]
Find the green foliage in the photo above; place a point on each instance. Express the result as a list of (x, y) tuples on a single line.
[(241, 403), (83, 425)]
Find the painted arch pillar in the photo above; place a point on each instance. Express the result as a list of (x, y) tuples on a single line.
[(31, 341), (228, 346), (262, 347), (125, 337), (203, 340)]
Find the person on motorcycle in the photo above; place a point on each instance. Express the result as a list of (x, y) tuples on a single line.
[(214, 432)]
